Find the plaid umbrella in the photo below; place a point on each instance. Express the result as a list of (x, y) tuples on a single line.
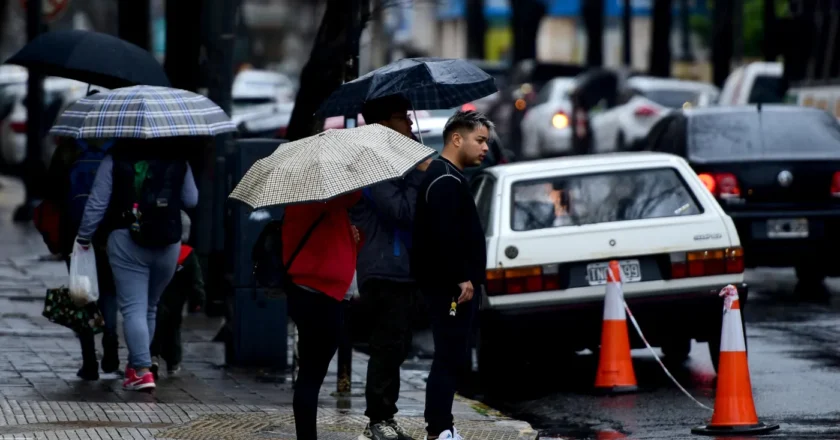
[(429, 83), (328, 165), (142, 112)]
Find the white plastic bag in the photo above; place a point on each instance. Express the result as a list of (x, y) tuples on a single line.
[(84, 287)]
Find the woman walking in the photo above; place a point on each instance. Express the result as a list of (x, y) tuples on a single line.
[(137, 198)]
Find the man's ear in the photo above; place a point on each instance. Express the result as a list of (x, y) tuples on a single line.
[(457, 139)]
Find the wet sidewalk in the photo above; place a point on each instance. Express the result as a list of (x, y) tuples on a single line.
[(41, 397)]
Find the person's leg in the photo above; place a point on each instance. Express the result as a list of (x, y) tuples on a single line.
[(131, 277), (108, 306), (162, 267), (175, 350), (90, 366), (317, 318), (452, 349), (390, 307)]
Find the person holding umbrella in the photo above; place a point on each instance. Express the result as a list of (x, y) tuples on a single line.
[(319, 178), (137, 196)]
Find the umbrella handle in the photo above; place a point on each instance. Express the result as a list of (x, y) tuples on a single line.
[(419, 132)]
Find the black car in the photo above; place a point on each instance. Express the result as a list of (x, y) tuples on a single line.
[(775, 170)]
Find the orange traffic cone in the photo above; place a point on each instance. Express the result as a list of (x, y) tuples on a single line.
[(734, 407), (615, 366)]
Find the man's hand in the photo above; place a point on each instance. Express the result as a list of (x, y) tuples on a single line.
[(424, 165), (356, 236), (466, 292)]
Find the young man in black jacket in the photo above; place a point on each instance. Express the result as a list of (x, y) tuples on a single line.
[(449, 259)]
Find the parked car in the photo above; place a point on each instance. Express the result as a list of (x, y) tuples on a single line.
[(263, 101), (641, 102), (775, 170), (552, 227), (546, 127), (754, 83)]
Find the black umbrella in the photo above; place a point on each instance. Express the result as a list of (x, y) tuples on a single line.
[(429, 83), (91, 57)]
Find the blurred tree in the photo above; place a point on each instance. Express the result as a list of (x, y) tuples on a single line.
[(183, 44), (134, 22), (593, 19), (722, 46), (660, 53), (476, 29), (754, 33), (525, 21)]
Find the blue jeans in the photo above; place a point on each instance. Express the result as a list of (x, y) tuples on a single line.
[(140, 276)]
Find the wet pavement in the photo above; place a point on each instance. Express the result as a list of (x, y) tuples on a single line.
[(794, 357), (41, 397)]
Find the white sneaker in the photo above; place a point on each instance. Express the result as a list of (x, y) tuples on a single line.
[(448, 435)]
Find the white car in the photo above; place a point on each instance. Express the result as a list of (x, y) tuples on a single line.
[(552, 227), (545, 127), (263, 102), (641, 103), (753, 83)]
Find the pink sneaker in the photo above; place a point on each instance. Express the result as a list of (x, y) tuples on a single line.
[(134, 383)]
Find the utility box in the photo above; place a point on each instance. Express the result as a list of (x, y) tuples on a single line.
[(257, 324)]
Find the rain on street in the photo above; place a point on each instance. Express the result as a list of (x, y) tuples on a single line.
[(794, 358)]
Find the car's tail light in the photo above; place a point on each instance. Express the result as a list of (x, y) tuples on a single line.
[(721, 185), (707, 263), (560, 120), (281, 133), (468, 107), (835, 184), (523, 279), (645, 111), (18, 127)]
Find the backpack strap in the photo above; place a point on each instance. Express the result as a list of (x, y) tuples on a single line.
[(304, 240)]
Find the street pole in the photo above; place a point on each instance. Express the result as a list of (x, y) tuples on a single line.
[(627, 34), (685, 32), (737, 31), (360, 10), (34, 119)]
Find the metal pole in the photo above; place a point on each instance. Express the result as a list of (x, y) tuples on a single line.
[(737, 31), (360, 9), (685, 32), (627, 33), (34, 118)]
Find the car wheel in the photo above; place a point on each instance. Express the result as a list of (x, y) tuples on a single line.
[(811, 273), (676, 349), (621, 142)]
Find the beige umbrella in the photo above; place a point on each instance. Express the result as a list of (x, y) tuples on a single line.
[(329, 164)]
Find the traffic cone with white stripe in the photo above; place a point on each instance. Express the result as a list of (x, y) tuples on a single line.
[(734, 407), (615, 365)]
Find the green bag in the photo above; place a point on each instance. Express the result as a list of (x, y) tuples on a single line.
[(60, 309)]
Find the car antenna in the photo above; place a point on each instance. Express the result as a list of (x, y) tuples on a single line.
[(759, 106)]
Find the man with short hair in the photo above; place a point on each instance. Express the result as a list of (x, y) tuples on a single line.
[(384, 217), (448, 260)]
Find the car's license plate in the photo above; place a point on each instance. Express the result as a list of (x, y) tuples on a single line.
[(631, 272), (787, 228)]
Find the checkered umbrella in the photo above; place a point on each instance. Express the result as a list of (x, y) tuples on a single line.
[(329, 164), (142, 112), (429, 83)]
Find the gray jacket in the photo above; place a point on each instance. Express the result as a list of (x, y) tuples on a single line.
[(384, 208)]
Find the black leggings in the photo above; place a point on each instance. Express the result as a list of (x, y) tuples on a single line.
[(318, 319)]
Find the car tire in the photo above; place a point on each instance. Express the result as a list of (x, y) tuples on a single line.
[(811, 273), (676, 349), (620, 142)]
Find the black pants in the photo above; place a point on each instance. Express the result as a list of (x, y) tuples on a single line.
[(451, 364), (167, 339), (318, 319), (389, 306)]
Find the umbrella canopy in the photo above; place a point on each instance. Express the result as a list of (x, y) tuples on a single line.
[(429, 83), (328, 165), (142, 112), (91, 57)]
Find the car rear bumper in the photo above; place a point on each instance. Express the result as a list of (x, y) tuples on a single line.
[(761, 250), (695, 315)]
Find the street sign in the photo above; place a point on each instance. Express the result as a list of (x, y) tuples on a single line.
[(50, 9)]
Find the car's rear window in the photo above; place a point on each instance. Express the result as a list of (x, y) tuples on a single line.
[(598, 198), (767, 89), (672, 98), (786, 134)]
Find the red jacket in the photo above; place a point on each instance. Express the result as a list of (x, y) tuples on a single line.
[(328, 260)]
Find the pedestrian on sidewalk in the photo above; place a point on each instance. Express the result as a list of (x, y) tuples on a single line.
[(137, 197), (186, 288), (67, 183), (448, 259), (385, 216), (319, 279)]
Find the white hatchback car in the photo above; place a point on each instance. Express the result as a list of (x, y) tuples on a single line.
[(553, 225)]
